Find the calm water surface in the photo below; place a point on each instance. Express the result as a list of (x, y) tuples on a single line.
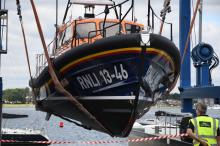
[(70, 132)]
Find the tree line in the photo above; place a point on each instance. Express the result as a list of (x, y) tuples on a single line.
[(17, 95), (175, 96)]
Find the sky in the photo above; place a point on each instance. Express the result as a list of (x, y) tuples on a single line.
[(14, 68)]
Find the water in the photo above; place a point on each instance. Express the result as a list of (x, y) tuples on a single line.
[(70, 132)]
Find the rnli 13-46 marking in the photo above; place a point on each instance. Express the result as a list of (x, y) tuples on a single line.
[(103, 77)]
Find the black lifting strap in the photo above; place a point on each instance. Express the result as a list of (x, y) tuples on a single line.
[(141, 65), (142, 84), (140, 73)]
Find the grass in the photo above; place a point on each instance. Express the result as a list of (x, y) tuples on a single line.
[(17, 105)]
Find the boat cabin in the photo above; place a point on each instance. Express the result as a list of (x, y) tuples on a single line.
[(82, 31)]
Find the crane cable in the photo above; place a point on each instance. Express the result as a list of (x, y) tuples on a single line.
[(57, 83), (25, 44), (187, 41), (194, 29), (190, 31)]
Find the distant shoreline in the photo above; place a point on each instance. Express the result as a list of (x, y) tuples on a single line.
[(32, 105), (17, 105)]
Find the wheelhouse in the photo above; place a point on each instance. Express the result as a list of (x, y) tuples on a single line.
[(82, 31)]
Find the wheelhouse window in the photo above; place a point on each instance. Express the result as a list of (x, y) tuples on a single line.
[(68, 33), (111, 31), (60, 37), (65, 36), (130, 28), (83, 30)]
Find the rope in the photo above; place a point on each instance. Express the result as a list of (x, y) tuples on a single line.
[(188, 38), (190, 30), (53, 75), (25, 42), (131, 140), (163, 12), (194, 29), (161, 26)]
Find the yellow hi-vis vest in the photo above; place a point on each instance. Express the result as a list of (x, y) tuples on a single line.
[(205, 128)]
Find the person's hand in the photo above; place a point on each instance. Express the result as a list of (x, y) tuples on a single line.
[(204, 143)]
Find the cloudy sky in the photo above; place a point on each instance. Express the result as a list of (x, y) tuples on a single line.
[(14, 66)]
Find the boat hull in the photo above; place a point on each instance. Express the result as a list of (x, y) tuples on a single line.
[(116, 79)]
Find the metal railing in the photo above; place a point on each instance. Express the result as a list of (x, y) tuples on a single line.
[(171, 121)]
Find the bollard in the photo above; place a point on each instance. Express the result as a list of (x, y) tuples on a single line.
[(61, 124)]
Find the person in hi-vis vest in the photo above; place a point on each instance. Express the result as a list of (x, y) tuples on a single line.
[(204, 130)]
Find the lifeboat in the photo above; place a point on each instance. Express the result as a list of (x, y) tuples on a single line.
[(113, 68)]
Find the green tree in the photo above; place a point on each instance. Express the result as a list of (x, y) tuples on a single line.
[(173, 96), (16, 95)]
